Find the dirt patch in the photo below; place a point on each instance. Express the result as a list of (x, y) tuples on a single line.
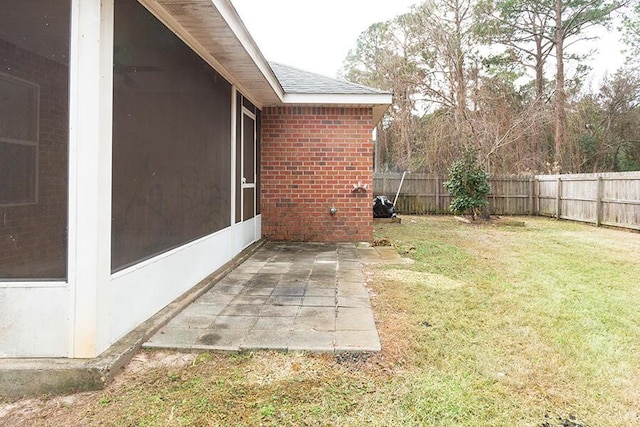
[(494, 221), (569, 421), (31, 411), (146, 361), (353, 359), (430, 280)]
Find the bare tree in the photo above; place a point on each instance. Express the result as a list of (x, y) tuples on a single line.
[(385, 57), (452, 91)]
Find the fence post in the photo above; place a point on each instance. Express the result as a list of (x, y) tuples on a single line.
[(599, 202), (536, 184), (531, 191), (559, 198), (438, 185), (493, 197)]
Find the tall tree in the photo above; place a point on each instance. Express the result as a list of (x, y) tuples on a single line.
[(522, 27), (631, 30), (539, 27), (385, 57), (448, 48), (607, 125), (572, 19)]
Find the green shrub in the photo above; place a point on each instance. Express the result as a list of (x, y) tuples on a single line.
[(468, 184)]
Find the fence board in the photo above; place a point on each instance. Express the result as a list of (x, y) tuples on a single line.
[(607, 198)]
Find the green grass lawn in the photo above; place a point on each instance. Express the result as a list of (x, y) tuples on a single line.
[(490, 326), (537, 323)]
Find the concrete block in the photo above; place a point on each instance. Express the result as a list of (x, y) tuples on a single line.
[(174, 337), (234, 322), (354, 319), (279, 310), (357, 340), (261, 339), (221, 340), (316, 318), (249, 300), (274, 323), (316, 341), (311, 301)]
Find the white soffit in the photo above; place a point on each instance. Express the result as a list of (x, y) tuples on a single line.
[(379, 102), (338, 99), (215, 31)]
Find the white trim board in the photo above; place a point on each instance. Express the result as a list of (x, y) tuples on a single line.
[(34, 322), (137, 293)]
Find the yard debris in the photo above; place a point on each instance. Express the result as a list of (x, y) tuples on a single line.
[(383, 208), (381, 242), (570, 421)]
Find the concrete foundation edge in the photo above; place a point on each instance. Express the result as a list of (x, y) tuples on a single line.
[(30, 377)]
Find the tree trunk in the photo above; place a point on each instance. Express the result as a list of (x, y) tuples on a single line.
[(561, 96), (539, 83), (461, 81)]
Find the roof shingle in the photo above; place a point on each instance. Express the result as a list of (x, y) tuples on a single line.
[(296, 81)]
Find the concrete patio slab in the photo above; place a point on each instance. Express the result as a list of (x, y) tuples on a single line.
[(216, 298), (279, 310), (316, 341), (234, 322), (313, 301), (286, 297), (354, 302), (313, 291), (271, 339), (311, 319), (355, 319), (177, 336), (222, 340), (285, 300), (357, 341)]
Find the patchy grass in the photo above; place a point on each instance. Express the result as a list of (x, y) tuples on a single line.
[(491, 326)]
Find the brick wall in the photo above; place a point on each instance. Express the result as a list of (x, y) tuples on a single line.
[(311, 158)]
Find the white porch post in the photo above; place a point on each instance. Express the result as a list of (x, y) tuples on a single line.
[(234, 100), (91, 77)]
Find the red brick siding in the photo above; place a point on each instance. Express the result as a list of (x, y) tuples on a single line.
[(311, 158)]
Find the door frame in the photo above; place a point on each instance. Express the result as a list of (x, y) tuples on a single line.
[(249, 227)]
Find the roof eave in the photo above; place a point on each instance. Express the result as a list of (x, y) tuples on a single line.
[(214, 30), (230, 15), (230, 50)]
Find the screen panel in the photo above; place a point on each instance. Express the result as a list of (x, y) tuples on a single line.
[(171, 140), (34, 133)]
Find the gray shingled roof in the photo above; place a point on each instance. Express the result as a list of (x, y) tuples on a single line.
[(298, 81)]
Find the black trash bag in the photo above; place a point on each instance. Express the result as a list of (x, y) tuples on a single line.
[(383, 208)]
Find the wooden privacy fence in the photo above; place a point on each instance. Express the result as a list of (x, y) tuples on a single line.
[(603, 199), (421, 193)]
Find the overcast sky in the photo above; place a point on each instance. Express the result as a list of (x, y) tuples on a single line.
[(313, 35), (317, 35)]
